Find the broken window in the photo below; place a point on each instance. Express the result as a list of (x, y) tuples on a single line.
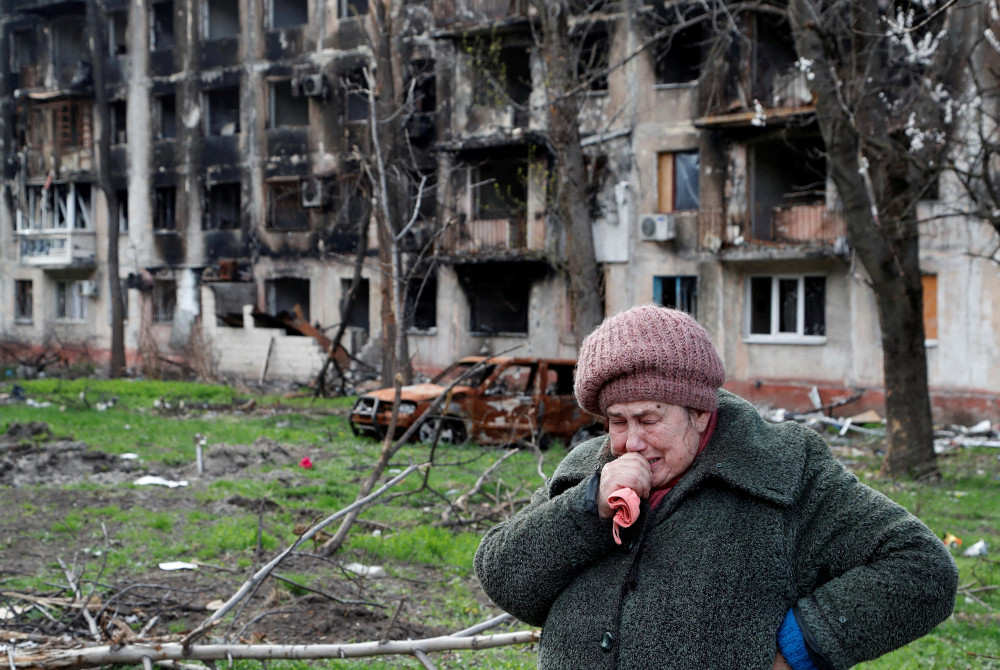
[(164, 205), (23, 300), (356, 97), (515, 379), (122, 211), (287, 109), (592, 65), (350, 8), (285, 294), (284, 205), (164, 297), (288, 13), (678, 56), (420, 308), (499, 296), (166, 116), (222, 211), (929, 283), (222, 19), (71, 300), (357, 310), (117, 31), (786, 307), (785, 172), (24, 55), (163, 25), (424, 86), (70, 53), (500, 188), (118, 112), (64, 205), (679, 292), (501, 74), (223, 105), (677, 181)]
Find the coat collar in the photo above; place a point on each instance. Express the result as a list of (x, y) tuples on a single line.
[(748, 453)]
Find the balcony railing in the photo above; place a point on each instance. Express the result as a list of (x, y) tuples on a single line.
[(486, 237), (790, 225), (57, 247), (480, 11)]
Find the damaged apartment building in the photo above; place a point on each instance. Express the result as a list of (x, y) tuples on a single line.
[(242, 153)]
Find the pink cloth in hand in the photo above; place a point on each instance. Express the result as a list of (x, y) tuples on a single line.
[(625, 503)]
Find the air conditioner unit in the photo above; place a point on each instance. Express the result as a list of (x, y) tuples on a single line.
[(88, 288), (313, 192), (311, 85), (657, 227)]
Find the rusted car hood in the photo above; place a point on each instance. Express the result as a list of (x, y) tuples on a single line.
[(415, 392)]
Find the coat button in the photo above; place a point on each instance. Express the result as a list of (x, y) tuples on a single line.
[(607, 641)]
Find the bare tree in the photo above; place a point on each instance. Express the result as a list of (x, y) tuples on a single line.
[(97, 29), (875, 69)]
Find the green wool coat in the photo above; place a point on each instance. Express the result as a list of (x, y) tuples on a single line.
[(765, 519)]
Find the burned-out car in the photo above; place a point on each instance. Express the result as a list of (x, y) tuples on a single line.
[(496, 400)]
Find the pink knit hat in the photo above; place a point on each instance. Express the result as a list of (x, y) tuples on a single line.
[(648, 353)]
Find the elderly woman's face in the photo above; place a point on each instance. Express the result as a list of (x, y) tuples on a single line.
[(666, 435)]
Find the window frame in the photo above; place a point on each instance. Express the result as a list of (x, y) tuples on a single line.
[(24, 301), (280, 104), (71, 303), (685, 289), (776, 336), (662, 158)]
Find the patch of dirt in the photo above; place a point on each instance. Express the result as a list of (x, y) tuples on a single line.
[(330, 604)]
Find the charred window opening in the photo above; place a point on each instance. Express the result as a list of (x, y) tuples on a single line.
[(501, 74), (677, 181), (24, 57), (356, 315), (500, 188), (223, 110), (284, 205), (165, 109), (356, 97), (122, 210), (288, 13), (678, 56), (164, 297), (679, 292), (222, 211), (71, 301), (222, 19), (424, 82), (164, 206), (284, 294), (349, 8), (23, 300), (70, 54), (592, 66), (785, 173), (163, 25), (287, 109), (786, 307), (117, 32), (499, 296), (420, 308), (595, 170), (777, 81), (119, 115)]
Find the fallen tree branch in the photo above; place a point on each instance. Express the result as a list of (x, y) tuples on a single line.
[(261, 574), (134, 654)]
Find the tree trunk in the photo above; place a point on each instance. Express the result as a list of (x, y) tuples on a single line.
[(879, 193), (571, 202), (97, 25)]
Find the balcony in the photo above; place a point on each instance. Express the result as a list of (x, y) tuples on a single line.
[(476, 12), (793, 228), (57, 248), (487, 237)]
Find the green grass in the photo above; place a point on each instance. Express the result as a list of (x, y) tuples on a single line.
[(966, 503)]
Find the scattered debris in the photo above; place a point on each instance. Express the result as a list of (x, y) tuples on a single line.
[(369, 571), (952, 541), (306, 462), (177, 565), (979, 548), (153, 480)]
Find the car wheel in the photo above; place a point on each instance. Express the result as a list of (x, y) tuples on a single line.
[(583, 434), (452, 431)]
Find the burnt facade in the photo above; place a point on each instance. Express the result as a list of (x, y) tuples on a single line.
[(242, 154)]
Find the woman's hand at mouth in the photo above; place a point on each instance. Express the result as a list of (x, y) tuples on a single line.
[(629, 470)]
